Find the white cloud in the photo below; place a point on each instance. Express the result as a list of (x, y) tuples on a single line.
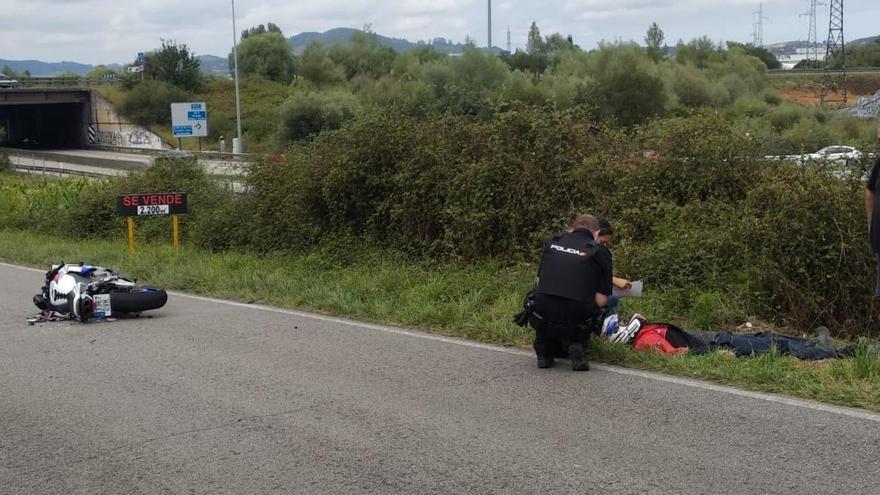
[(103, 31)]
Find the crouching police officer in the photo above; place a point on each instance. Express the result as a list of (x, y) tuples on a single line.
[(574, 282)]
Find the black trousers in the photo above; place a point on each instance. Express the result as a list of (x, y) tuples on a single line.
[(565, 322)]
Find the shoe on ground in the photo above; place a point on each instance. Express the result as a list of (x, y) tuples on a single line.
[(578, 358), (545, 362)]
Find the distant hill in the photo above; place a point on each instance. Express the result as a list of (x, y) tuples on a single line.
[(864, 41), (787, 47), (213, 65), (38, 68), (342, 36)]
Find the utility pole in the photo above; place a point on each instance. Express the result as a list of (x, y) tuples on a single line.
[(237, 93), (813, 36), (758, 33), (834, 78), (490, 25)]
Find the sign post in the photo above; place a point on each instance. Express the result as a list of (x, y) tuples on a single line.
[(130, 234), (189, 120), (175, 231), (156, 204)]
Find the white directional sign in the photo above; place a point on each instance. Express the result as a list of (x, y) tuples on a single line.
[(189, 119)]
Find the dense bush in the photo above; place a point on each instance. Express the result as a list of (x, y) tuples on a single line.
[(702, 217), (150, 102), (304, 115), (267, 55), (697, 211)]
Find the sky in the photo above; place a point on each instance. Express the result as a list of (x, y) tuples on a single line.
[(113, 31)]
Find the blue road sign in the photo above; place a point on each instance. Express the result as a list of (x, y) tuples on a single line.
[(182, 130), (202, 115), (141, 58)]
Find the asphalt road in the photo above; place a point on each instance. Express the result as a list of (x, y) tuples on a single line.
[(211, 397)]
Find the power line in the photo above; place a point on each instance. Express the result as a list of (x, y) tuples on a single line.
[(758, 27), (813, 35), (834, 77)]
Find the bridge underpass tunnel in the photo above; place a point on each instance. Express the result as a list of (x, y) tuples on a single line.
[(45, 126)]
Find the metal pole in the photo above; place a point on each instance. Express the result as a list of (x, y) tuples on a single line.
[(237, 95), (175, 231), (130, 222), (490, 25)]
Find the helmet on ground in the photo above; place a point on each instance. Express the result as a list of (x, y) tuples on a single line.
[(610, 326), (628, 333)]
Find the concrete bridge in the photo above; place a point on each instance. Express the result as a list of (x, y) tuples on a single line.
[(67, 118), (45, 118)]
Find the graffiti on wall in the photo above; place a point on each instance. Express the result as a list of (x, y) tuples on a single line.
[(141, 138), (135, 138), (108, 138)]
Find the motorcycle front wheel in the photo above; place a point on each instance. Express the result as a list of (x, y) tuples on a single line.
[(141, 299)]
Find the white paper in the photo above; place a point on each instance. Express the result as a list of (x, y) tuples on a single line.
[(634, 291)]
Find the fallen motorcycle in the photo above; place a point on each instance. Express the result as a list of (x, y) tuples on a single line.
[(81, 292)]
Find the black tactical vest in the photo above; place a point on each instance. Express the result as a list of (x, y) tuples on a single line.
[(565, 267)]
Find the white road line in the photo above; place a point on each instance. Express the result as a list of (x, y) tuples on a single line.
[(789, 401)]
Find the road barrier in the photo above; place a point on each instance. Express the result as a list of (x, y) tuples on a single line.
[(819, 72), (65, 82)]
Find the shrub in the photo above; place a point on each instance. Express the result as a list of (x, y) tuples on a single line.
[(305, 115), (785, 117), (150, 102)]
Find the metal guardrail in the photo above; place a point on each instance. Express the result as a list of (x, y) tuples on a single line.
[(206, 155), (819, 72), (65, 82), (60, 172)]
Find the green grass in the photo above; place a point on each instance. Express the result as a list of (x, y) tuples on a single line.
[(474, 302)]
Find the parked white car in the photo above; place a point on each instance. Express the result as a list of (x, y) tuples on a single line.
[(7, 82), (841, 155)]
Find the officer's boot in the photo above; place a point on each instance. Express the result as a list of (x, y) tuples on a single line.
[(578, 356), (546, 362)]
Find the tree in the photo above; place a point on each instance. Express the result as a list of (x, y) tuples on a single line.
[(7, 70), (535, 44), (261, 29), (174, 64), (150, 103), (654, 41), (364, 55), (629, 89), (758, 52), (696, 52), (306, 115), (267, 54), (535, 63), (316, 66)]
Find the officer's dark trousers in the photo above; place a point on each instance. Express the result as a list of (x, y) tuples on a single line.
[(565, 324)]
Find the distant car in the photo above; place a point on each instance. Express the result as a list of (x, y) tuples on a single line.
[(841, 155), (7, 82)]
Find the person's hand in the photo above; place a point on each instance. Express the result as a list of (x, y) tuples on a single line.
[(628, 285)]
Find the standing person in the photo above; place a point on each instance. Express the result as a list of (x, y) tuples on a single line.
[(574, 282), (872, 208), (606, 235)]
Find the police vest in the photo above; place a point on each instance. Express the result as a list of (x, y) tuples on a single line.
[(565, 267)]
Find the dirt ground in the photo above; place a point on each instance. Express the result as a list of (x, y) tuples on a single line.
[(806, 91)]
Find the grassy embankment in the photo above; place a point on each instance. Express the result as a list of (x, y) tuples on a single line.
[(474, 302)]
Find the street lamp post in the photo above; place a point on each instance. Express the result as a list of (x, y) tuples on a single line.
[(240, 147)]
